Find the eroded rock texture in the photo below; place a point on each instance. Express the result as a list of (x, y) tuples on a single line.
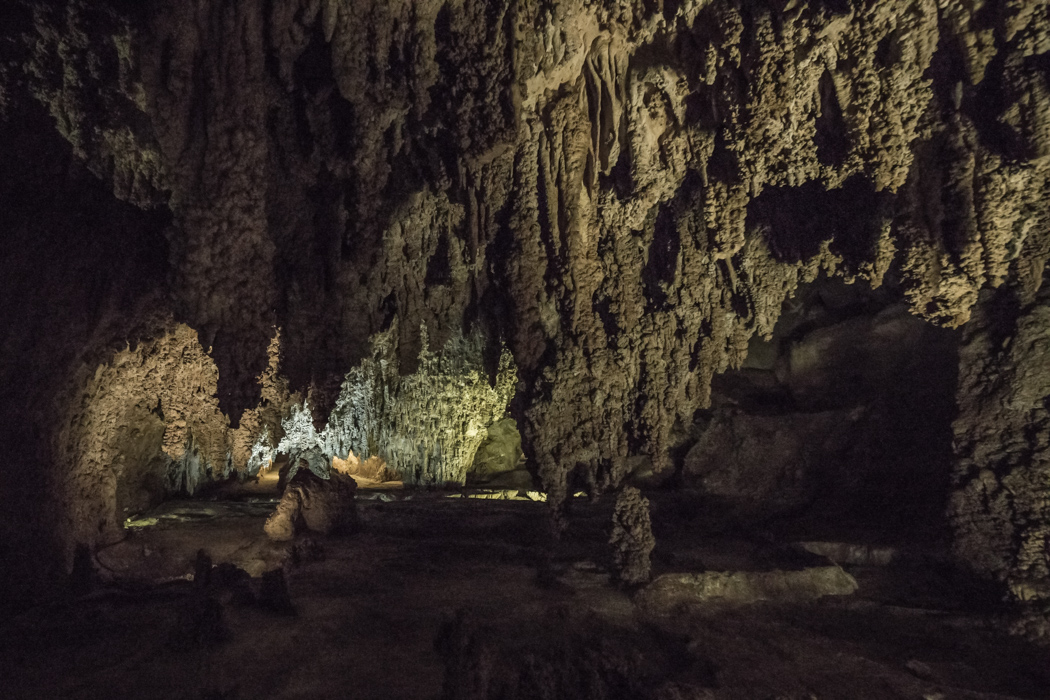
[(147, 424), (324, 506), (624, 193), (632, 537), (1001, 508), (425, 426), (148, 416), (82, 273), (844, 414)]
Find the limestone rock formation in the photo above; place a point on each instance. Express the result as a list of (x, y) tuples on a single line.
[(371, 469), (499, 453), (1001, 506), (255, 440), (328, 505), (623, 194), (281, 525), (773, 463), (324, 506), (426, 426), (846, 411), (632, 538), (146, 423)]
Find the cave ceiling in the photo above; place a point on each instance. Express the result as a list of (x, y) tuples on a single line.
[(621, 193)]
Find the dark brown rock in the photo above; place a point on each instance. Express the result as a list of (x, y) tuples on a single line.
[(632, 538), (324, 506)]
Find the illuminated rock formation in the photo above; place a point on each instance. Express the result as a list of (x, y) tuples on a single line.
[(321, 505), (425, 426), (622, 193), (147, 423)]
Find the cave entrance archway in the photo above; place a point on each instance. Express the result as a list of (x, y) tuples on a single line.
[(840, 424)]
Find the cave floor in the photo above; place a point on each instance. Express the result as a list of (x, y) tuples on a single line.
[(368, 608)]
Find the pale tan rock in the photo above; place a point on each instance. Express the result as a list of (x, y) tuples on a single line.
[(743, 587), (324, 506), (281, 525)]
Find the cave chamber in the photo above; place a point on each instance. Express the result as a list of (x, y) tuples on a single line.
[(525, 348)]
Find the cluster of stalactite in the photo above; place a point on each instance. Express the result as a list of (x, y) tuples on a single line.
[(425, 426), (623, 193)]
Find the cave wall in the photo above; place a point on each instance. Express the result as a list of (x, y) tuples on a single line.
[(146, 425), (82, 274), (1000, 507), (623, 193)]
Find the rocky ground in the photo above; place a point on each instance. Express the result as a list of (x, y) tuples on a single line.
[(467, 598)]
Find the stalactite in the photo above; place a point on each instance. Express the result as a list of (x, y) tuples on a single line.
[(426, 426), (600, 172)]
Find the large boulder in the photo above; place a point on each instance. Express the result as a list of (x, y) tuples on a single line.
[(856, 360), (772, 463), (328, 505), (498, 454)]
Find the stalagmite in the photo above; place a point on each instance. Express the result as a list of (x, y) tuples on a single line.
[(578, 212)]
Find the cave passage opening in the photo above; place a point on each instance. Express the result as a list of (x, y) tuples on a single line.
[(839, 425)]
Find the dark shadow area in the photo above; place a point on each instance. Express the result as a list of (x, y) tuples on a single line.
[(797, 220), (619, 179), (840, 423), (660, 268), (439, 266), (832, 138), (83, 274), (602, 306)]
